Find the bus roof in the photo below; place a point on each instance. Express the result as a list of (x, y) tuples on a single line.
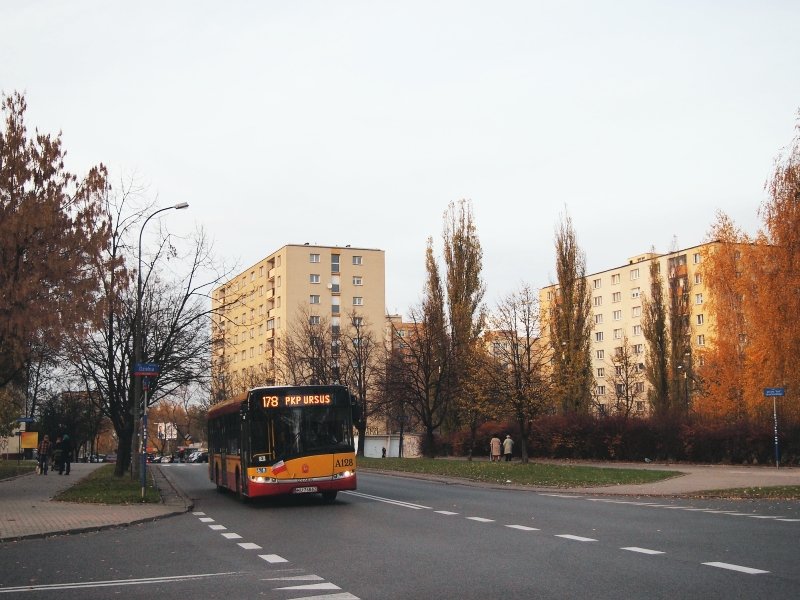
[(234, 404)]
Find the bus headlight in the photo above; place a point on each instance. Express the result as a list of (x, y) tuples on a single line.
[(260, 479), (343, 475)]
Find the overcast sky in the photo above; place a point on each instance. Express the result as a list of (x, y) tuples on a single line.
[(357, 122)]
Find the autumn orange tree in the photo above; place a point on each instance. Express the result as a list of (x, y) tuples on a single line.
[(754, 285)]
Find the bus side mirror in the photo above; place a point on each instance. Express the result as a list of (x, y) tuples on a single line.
[(357, 412)]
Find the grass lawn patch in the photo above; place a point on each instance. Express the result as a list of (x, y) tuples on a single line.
[(10, 468), (102, 487), (778, 492), (514, 472)]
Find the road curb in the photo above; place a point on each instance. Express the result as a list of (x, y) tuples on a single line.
[(171, 493)]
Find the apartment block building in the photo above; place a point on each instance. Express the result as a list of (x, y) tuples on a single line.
[(617, 309), (254, 310)]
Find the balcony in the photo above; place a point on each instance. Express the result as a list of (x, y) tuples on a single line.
[(270, 333), (271, 274), (270, 293)]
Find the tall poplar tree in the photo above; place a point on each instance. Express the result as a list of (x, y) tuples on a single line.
[(654, 327), (570, 323)]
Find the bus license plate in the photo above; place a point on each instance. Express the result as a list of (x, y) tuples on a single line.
[(306, 490)]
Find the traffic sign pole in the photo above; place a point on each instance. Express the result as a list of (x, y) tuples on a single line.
[(775, 392)]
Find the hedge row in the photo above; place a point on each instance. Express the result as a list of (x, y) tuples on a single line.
[(586, 437)]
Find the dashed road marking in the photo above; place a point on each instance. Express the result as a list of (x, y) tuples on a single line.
[(206, 520), (445, 512), (250, 546), (762, 517), (198, 514), (576, 538), (387, 500), (272, 558), (232, 536), (217, 527), (523, 527), (789, 520), (641, 550), (560, 496), (296, 578), (481, 519), (311, 586), (730, 567)]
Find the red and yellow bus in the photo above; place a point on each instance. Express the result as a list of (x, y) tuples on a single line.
[(283, 440)]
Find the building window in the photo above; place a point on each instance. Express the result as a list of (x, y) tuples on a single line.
[(598, 319), (335, 263), (598, 336), (549, 295), (698, 298), (701, 340), (315, 258), (700, 319), (314, 278), (252, 332), (279, 302), (698, 279), (313, 299), (260, 309), (270, 324), (313, 320), (635, 292), (601, 372), (236, 357), (261, 348), (615, 279), (358, 301), (279, 282), (637, 330), (278, 323), (597, 283), (618, 334), (617, 315), (598, 301), (252, 313), (261, 290), (260, 271), (638, 387), (601, 390), (634, 274), (696, 258), (358, 321), (236, 339), (638, 348), (600, 354), (616, 297), (244, 354), (261, 329), (356, 280), (252, 352), (252, 275), (357, 260), (636, 311)]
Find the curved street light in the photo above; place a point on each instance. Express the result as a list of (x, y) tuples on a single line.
[(137, 358)]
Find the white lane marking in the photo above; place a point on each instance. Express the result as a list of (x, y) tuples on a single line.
[(641, 550), (735, 514), (342, 596), (739, 568), (577, 538), (272, 558), (296, 578), (480, 519), (789, 520), (387, 500), (250, 546), (206, 520), (445, 512), (698, 509), (762, 517), (523, 527), (232, 536), (311, 586), (198, 514), (560, 496), (217, 527), (111, 583)]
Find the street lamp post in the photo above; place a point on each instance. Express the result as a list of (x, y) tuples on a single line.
[(137, 350)]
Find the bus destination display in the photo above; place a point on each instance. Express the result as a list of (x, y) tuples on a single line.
[(281, 401)]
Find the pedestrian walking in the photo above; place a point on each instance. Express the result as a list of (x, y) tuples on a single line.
[(508, 445), (494, 447), (66, 456), (43, 454), (383, 452), (58, 456)]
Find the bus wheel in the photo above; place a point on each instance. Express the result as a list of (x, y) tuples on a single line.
[(240, 489), (329, 496), (220, 489)]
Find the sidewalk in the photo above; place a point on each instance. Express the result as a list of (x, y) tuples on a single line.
[(27, 509)]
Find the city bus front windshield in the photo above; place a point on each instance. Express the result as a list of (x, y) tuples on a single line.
[(301, 431)]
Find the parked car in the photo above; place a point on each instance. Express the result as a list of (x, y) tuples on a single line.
[(110, 458), (165, 459), (198, 457)]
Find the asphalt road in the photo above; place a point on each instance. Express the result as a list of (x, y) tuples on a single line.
[(405, 538)]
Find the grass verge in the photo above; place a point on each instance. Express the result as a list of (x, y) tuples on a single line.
[(514, 472), (778, 492), (9, 468), (102, 487)]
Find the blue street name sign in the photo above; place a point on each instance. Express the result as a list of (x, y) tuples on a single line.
[(146, 369), (25, 420), (769, 392)]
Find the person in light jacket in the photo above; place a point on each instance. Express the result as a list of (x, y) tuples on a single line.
[(495, 449), (508, 446)]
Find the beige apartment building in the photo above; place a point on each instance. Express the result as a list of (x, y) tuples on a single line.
[(617, 308), (253, 311)]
